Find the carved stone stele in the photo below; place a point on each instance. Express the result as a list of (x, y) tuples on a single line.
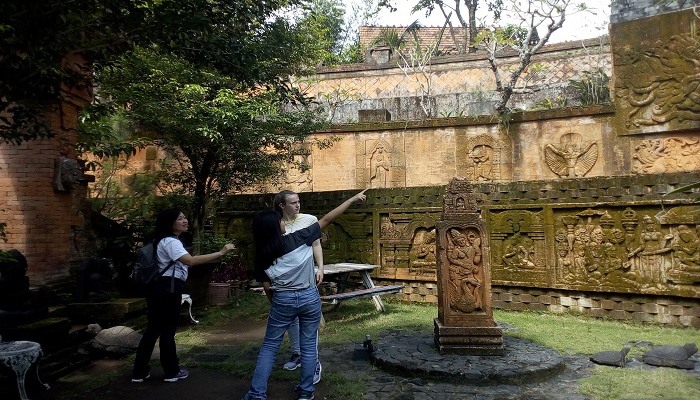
[(465, 314)]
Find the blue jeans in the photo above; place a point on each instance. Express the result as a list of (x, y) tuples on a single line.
[(293, 334), (287, 305)]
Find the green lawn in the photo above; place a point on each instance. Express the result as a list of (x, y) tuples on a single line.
[(564, 332)]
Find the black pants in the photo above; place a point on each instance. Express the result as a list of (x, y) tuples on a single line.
[(163, 315)]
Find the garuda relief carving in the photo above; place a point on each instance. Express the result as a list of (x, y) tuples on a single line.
[(658, 82), (667, 155), (619, 249), (572, 157), (407, 246), (464, 291), (518, 246)]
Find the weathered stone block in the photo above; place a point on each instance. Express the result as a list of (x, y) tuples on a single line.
[(567, 301), (585, 302)]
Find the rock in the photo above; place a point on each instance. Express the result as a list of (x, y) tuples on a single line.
[(117, 340), (613, 358), (673, 352), (671, 356)]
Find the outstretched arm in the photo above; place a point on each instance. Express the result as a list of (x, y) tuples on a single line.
[(334, 213)]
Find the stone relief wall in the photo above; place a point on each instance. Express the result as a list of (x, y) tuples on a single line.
[(632, 244), (656, 62), (602, 236)]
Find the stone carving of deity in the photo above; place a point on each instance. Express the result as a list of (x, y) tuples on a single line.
[(464, 256), (519, 249), (572, 157), (481, 157), (423, 249), (379, 166), (647, 257), (686, 250)]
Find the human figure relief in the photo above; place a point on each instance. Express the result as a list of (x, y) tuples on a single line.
[(647, 257), (464, 286), (519, 249), (379, 165), (686, 250), (424, 251), (481, 157)]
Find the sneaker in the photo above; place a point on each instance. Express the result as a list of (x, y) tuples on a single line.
[(139, 380), (293, 363), (180, 375), (317, 374)]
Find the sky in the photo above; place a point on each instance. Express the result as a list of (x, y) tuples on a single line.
[(582, 25)]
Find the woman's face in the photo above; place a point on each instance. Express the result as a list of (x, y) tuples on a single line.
[(180, 225)]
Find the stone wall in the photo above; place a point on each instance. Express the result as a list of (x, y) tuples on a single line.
[(458, 85), (629, 10), (600, 244)]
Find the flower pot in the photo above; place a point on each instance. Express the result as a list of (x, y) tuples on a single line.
[(219, 293)]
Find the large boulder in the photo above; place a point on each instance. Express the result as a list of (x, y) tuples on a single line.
[(671, 356), (612, 358), (117, 340)]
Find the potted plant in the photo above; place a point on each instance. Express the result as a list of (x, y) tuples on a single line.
[(229, 274)]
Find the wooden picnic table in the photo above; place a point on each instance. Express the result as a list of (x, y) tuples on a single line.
[(344, 270)]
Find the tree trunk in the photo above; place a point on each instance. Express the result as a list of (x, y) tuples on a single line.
[(471, 7)]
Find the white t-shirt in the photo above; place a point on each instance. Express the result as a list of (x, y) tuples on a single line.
[(169, 249), (300, 222)]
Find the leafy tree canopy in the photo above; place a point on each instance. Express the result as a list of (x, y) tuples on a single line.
[(223, 134), (36, 35)]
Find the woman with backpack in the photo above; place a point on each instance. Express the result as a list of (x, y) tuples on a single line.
[(287, 262), (164, 295)]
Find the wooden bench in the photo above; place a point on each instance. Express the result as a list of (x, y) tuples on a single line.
[(356, 294)]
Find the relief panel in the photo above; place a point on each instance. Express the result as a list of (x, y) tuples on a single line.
[(348, 239), (629, 250), (518, 247), (671, 154), (483, 158), (657, 68), (381, 163), (571, 157), (407, 246)]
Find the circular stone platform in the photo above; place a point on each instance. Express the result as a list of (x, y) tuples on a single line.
[(414, 353)]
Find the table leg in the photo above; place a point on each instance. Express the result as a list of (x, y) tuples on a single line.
[(21, 374), (46, 385), (188, 299), (369, 284)]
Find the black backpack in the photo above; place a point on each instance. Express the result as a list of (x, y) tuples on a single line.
[(146, 266)]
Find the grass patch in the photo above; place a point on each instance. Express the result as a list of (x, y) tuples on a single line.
[(580, 334), (610, 383), (344, 388), (355, 319)]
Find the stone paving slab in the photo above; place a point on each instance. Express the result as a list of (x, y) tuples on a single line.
[(414, 353)]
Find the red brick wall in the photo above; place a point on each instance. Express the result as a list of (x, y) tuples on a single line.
[(44, 224)]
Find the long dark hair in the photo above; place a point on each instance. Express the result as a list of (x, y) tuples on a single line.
[(268, 239), (164, 224)]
